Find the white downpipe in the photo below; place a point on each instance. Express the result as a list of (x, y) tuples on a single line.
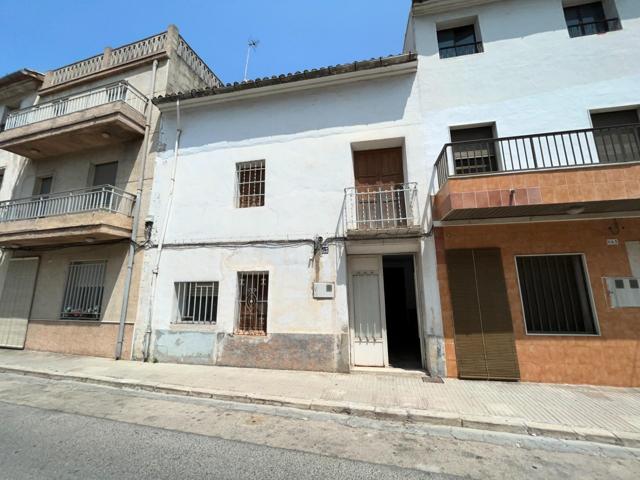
[(163, 234), (136, 215)]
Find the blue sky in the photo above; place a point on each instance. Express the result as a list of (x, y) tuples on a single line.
[(293, 34)]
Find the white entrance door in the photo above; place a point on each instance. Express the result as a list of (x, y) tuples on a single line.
[(15, 302), (368, 327)]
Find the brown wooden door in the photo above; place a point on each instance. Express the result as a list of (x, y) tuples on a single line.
[(485, 346), (379, 177), (378, 167)]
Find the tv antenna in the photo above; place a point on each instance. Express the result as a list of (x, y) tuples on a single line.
[(251, 45)]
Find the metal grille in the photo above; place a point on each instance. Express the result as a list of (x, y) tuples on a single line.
[(197, 302), (382, 207), (250, 184), (253, 295), (555, 294), (115, 92), (84, 291), (104, 197), (570, 148)]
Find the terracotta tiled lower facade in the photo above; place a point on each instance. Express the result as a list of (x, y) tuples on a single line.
[(561, 186), (613, 357)]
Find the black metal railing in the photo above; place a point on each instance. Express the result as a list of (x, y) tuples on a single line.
[(593, 28), (569, 148), (459, 50)]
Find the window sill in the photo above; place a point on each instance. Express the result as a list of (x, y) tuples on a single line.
[(193, 327), (460, 56), (572, 335)]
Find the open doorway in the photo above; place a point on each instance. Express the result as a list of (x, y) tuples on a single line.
[(401, 311)]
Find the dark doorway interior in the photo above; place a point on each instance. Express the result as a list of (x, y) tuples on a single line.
[(401, 312)]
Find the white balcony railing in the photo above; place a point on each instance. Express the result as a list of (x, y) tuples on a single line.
[(102, 198), (117, 92), (386, 207)]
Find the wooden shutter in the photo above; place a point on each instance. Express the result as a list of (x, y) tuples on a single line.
[(470, 353), (378, 167), (485, 346)]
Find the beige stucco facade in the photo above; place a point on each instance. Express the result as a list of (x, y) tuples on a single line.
[(105, 117)]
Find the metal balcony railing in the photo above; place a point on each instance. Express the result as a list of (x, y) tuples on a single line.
[(592, 28), (102, 198), (571, 148), (116, 92), (384, 207), (460, 50)]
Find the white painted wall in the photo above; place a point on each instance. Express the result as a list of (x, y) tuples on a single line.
[(306, 139), (532, 77)]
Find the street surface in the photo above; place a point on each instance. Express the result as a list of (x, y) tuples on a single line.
[(70, 430)]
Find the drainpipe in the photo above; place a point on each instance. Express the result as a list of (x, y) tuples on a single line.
[(136, 215), (163, 234)]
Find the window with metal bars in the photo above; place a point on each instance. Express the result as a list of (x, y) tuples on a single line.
[(591, 18), (84, 291), (474, 150), (253, 296), (555, 293), (458, 41), (250, 184), (197, 302)]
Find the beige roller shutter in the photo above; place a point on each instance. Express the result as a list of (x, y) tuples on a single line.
[(15, 302)]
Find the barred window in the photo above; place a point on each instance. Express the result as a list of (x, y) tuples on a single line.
[(84, 290), (555, 295), (455, 42), (197, 302), (253, 296), (250, 183)]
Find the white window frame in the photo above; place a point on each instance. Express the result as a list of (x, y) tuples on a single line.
[(585, 267), (214, 311)]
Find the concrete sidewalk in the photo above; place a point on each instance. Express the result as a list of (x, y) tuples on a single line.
[(598, 414)]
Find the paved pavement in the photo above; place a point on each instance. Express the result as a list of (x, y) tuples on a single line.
[(70, 429), (603, 414)]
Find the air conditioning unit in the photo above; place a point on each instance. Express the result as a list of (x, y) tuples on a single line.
[(623, 291), (324, 290)]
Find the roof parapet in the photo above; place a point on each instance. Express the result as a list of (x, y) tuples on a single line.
[(166, 43)]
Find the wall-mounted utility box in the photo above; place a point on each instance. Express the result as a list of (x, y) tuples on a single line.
[(324, 290), (623, 291)]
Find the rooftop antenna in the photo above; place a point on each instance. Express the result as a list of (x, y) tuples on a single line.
[(252, 45)]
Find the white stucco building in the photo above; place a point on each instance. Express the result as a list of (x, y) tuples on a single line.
[(326, 219), (299, 135)]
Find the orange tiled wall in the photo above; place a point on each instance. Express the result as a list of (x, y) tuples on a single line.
[(603, 182), (613, 358)]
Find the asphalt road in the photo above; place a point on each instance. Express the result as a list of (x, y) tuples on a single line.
[(72, 430), (40, 444)]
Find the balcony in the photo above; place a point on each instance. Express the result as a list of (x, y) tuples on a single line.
[(79, 216), (94, 118), (382, 210), (589, 171)]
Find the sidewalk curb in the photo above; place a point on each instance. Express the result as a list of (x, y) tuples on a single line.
[(495, 424)]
